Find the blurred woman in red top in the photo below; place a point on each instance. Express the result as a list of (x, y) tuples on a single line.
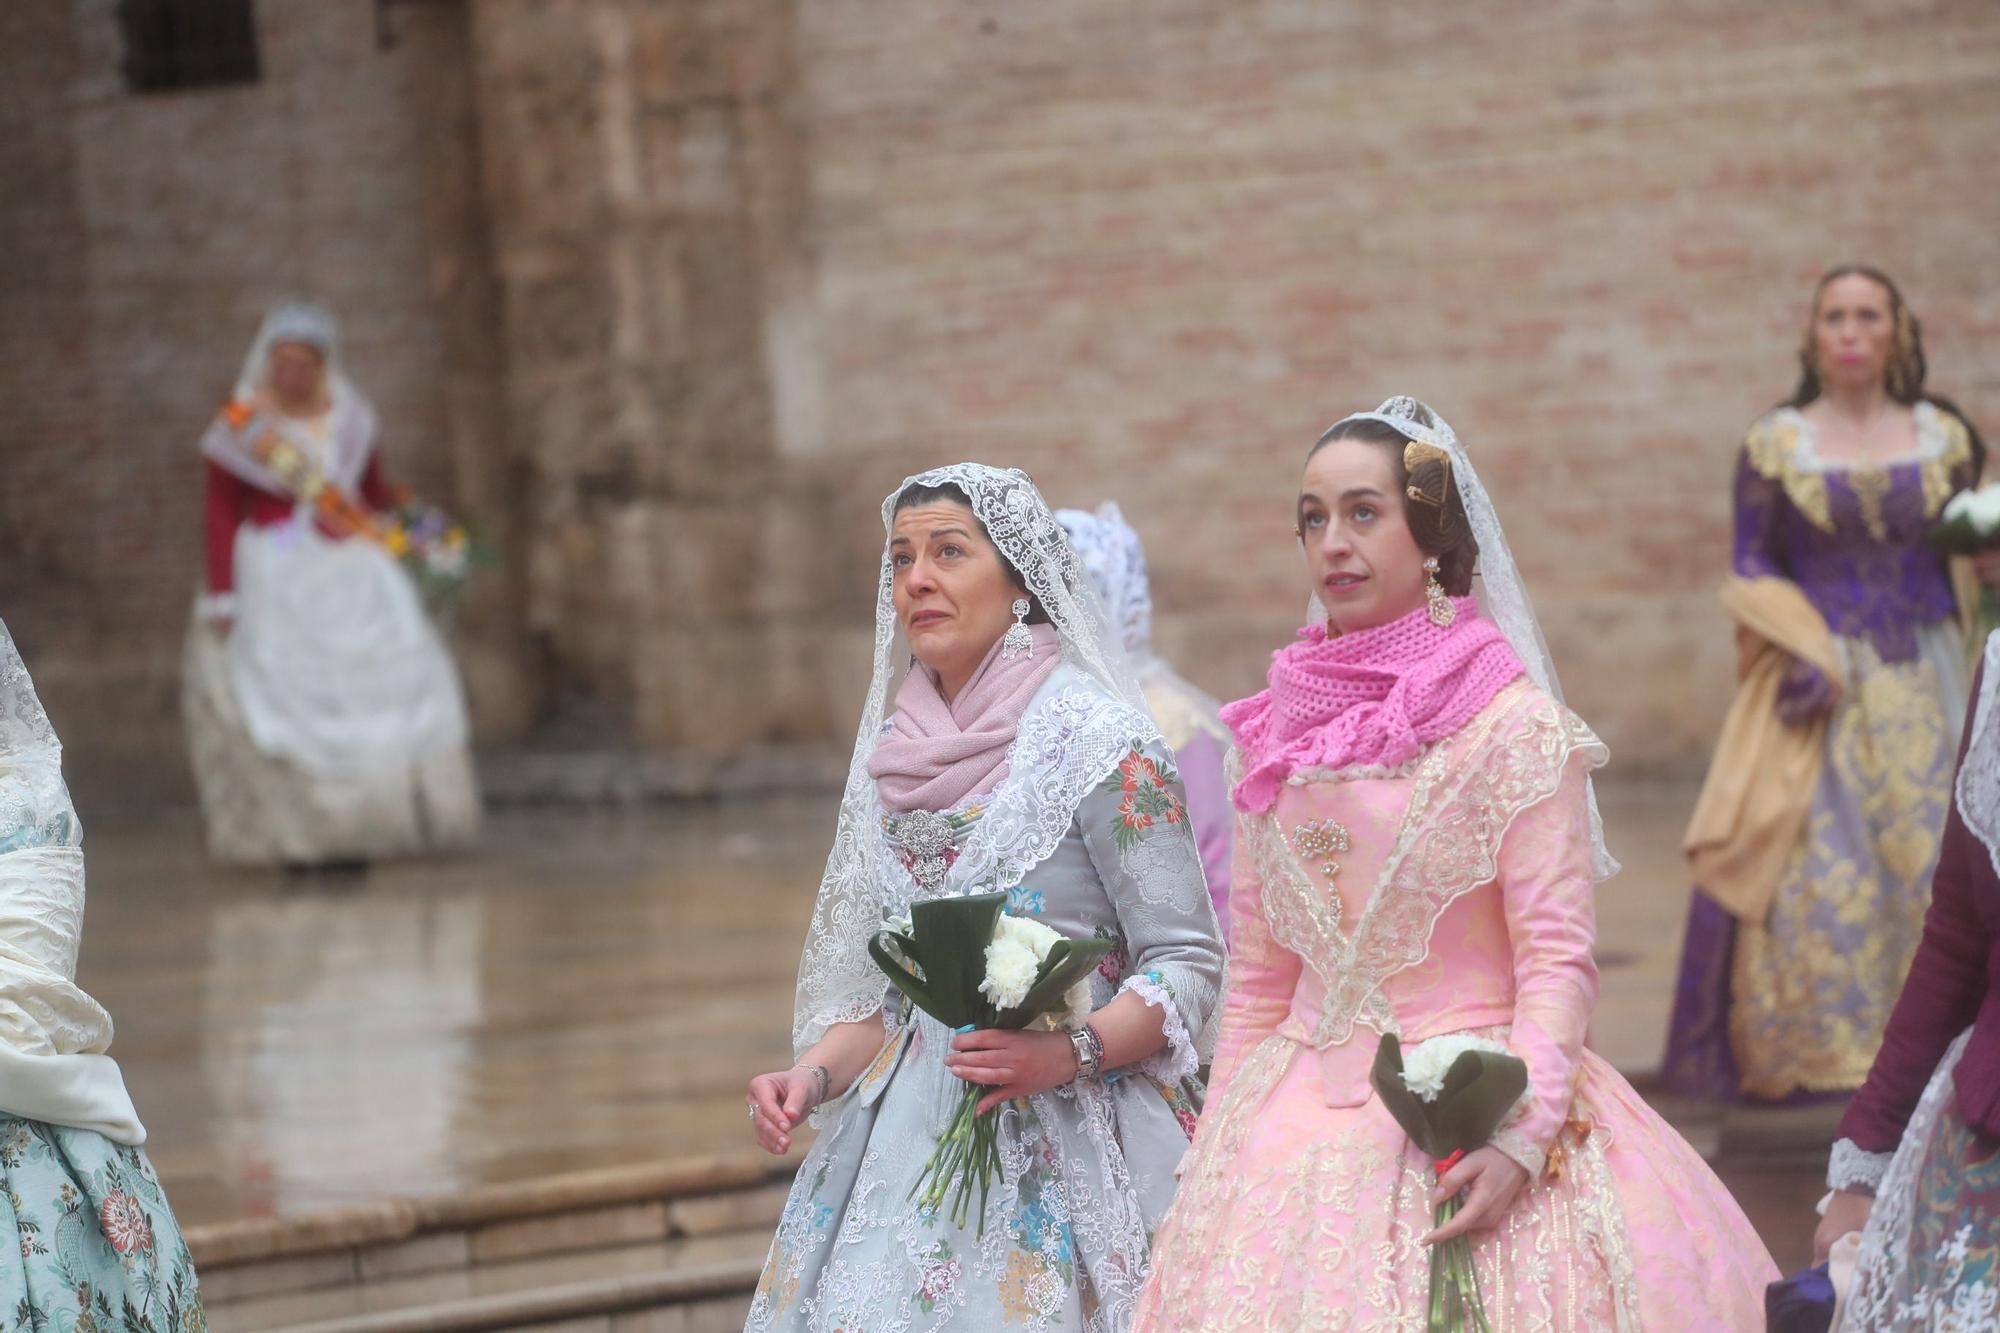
[(326, 722)]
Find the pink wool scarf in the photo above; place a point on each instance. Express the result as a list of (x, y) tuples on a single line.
[(937, 753), (1376, 696)]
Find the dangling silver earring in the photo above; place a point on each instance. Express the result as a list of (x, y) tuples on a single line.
[(1019, 640), (1442, 611)]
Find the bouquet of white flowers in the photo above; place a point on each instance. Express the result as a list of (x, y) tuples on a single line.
[(967, 964), (1970, 525), (1449, 1097)]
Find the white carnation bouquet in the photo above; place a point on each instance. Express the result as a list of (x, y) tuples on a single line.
[(1450, 1094), (969, 965)]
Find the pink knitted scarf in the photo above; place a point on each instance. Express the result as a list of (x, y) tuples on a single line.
[(936, 753), (1375, 696)]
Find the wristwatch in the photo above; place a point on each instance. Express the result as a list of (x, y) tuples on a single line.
[(1084, 1041)]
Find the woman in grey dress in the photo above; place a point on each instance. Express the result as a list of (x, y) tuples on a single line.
[(1019, 758)]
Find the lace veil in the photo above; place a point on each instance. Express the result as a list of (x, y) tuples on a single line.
[(353, 433), (1503, 597), (1115, 559), (838, 981)]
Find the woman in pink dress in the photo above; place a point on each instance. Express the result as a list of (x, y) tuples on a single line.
[(1416, 850)]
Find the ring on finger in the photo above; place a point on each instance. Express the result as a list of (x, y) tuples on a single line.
[(753, 1110)]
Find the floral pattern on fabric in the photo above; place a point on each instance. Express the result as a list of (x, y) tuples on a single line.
[(1146, 794), (94, 1247), (1930, 1255)]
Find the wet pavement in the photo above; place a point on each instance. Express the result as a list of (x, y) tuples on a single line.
[(591, 988)]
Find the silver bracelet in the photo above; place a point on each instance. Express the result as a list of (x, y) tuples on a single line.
[(825, 1081)]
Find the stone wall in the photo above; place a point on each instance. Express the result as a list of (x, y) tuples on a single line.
[(669, 293), (141, 239)]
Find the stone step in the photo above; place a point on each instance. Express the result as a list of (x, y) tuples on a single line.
[(697, 1300), (673, 1245)]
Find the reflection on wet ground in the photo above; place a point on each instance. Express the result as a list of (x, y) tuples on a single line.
[(589, 989), (585, 990)]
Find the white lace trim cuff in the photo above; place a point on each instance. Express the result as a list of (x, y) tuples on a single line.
[(1177, 1059), (1854, 1169), (215, 605), (1522, 1149)]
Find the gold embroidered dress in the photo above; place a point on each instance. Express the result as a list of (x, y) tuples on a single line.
[(1452, 894), (1794, 1001)]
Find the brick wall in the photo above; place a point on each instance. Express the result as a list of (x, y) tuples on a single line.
[(1154, 258), (672, 292)]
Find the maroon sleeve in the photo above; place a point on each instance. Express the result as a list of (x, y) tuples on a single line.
[(1946, 986), (223, 514), (376, 491)]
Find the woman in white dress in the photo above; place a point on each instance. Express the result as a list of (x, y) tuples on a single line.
[(326, 722)]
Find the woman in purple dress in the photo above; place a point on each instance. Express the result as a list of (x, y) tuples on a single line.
[(1800, 934)]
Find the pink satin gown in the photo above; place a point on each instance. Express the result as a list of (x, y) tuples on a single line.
[(1462, 902)]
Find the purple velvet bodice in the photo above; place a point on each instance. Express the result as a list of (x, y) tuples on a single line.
[(1852, 538)]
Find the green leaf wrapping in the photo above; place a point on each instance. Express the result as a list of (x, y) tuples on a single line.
[(899, 974), (947, 943), (1480, 1089), (946, 953), (1069, 962), (1406, 1106), (1959, 536)]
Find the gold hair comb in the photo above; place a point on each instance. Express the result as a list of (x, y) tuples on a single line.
[(1417, 452)]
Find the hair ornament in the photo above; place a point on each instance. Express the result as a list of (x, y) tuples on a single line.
[(1418, 452)]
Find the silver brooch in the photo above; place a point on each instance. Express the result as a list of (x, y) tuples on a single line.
[(926, 835)]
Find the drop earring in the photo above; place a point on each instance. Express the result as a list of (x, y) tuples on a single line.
[(1442, 611), (1019, 640)]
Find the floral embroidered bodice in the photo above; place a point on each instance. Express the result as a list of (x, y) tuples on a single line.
[(1852, 536)]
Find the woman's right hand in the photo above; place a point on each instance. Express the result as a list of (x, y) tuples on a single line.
[(1845, 1212), (778, 1102), (1805, 694)]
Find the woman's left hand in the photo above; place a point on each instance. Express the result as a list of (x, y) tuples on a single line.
[(1496, 1180), (1013, 1064)]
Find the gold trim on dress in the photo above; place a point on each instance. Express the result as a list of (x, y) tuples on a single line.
[(1777, 447)]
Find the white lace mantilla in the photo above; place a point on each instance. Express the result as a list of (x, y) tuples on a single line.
[(838, 981), (1072, 736)]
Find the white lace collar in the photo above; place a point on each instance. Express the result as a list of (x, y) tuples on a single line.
[(1931, 442)]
